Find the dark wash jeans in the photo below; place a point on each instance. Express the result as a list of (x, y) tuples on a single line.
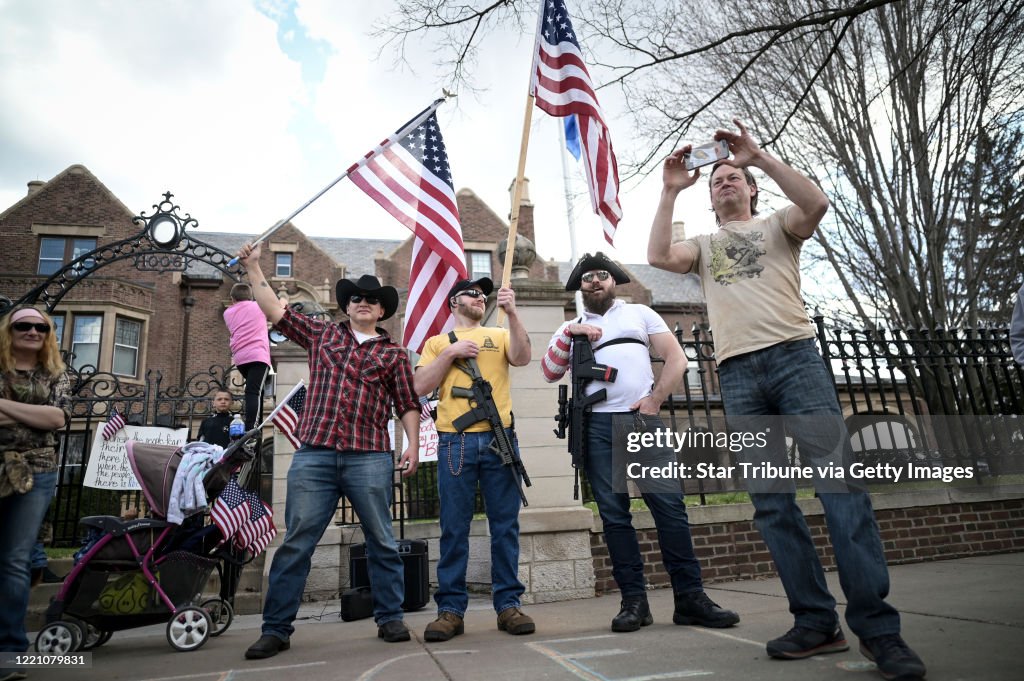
[(669, 513), (792, 379), (463, 461)]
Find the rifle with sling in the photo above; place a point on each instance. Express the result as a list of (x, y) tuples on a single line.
[(483, 408), (572, 412)]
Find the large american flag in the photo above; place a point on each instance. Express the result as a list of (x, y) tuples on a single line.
[(408, 174), (562, 87)]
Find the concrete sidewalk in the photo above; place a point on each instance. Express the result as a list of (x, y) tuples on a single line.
[(964, 617)]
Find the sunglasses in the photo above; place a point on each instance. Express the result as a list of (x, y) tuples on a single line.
[(357, 298), (602, 275), (27, 326), (473, 293)]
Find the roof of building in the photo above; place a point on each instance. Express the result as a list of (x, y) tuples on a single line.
[(357, 255)]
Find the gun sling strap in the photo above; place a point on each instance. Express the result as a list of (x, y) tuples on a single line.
[(483, 408)]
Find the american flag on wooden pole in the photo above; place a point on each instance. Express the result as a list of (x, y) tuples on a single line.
[(562, 87), (409, 176)]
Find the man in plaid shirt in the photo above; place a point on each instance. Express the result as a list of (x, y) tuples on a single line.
[(358, 376)]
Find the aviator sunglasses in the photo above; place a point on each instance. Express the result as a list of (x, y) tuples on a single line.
[(602, 275), (25, 326), (358, 298)]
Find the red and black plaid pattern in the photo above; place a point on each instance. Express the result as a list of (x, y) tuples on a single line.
[(352, 385)]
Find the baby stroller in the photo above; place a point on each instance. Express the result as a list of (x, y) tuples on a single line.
[(139, 572)]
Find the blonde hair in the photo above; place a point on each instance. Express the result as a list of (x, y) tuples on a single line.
[(49, 355)]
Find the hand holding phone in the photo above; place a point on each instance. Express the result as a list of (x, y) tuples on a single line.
[(706, 154)]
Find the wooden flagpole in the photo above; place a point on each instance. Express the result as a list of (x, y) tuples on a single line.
[(517, 193)]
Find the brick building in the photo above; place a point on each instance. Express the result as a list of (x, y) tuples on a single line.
[(123, 320)]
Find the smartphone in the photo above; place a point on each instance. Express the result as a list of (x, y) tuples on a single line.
[(707, 154)]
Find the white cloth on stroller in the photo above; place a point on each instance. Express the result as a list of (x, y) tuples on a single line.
[(188, 496)]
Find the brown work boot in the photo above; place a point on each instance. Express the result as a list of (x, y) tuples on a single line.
[(446, 626), (515, 621)]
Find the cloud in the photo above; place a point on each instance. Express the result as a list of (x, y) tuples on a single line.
[(201, 99)]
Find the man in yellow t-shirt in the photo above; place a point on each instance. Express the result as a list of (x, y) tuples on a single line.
[(465, 459)]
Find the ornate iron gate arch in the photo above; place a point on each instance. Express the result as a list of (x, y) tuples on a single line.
[(162, 245)]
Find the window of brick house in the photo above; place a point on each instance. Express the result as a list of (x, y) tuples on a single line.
[(127, 337), (86, 331), (479, 264), (282, 264), (57, 251)]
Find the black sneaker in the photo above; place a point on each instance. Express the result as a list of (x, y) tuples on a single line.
[(893, 657), (267, 646), (800, 642), (698, 608)]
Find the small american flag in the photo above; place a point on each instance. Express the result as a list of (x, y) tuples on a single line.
[(114, 424), (409, 176), (286, 417), (562, 87), (231, 509), (258, 531)]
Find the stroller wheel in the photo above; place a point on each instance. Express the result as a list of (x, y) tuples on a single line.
[(94, 637), (221, 615), (59, 637), (189, 629)]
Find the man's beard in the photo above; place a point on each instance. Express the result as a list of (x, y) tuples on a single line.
[(471, 312), (597, 303)]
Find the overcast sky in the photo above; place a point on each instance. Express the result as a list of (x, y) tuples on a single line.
[(244, 109)]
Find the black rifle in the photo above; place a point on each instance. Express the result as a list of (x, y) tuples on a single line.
[(483, 408), (572, 413)]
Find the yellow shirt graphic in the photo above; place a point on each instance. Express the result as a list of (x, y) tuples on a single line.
[(493, 362)]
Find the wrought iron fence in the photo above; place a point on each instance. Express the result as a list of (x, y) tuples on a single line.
[(946, 397)]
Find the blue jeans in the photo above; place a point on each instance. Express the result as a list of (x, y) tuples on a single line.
[(669, 513), (21, 515), (792, 379), (463, 460), (316, 481)]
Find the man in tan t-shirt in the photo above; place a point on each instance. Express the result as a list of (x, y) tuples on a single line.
[(768, 365)]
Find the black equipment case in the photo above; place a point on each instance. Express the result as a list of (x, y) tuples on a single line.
[(415, 558), (417, 573)]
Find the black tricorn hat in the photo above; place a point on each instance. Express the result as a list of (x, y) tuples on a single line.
[(368, 285), (598, 261)]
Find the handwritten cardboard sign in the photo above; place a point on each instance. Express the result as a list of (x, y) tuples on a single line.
[(108, 466)]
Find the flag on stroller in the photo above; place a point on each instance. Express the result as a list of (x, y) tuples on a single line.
[(243, 516)]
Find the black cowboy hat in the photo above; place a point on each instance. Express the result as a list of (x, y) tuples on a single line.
[(367, 285), (588, 263), (485, 284)]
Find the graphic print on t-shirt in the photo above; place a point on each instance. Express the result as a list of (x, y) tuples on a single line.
[(735, 256)]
